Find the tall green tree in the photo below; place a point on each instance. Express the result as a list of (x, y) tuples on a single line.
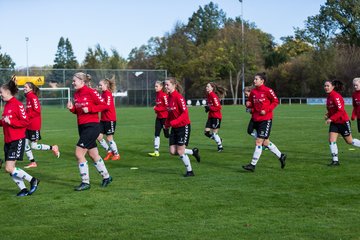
[(65, 57), (6, 61), (204, 23), (148, 56), (99, 58), (60, 56), (70, 59), (116, 61), (337, 22), (96, 58)]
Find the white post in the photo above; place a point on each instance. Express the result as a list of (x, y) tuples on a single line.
[(243, 54), (27, 56)]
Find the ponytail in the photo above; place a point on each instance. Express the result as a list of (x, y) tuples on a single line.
[(262, 75), (162, 84), (11, 86), (175, 82), (338, 85), (110, 83), (218, 90), (34, 88)]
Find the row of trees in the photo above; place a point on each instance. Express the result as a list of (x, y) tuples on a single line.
[(208, 47)]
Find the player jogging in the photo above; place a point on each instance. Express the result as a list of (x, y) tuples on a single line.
[(262, 101), (160, 108), (33, 111), (338, 119), (14, 121), (108, 120), (87, 104), (356, 102), (214, 93), (179, 121)]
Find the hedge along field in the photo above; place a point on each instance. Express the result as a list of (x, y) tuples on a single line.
[(306, 200)]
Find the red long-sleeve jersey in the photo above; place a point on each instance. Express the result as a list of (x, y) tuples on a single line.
[(178, 112), (262, 98), (33, 111), (356, 105), (336, 108), (109, 114), (90, 98), (214, 104), (161, 105), (16, 112)]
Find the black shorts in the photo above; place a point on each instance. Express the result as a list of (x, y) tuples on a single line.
[(107, 127), (14, 151), (250, 128), (180, 136), (213, 123), (159, 124), (33, 135), (343, 128), (88, 132), (263, 128), (358, 124)]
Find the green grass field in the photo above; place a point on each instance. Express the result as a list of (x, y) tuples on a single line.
[(306, 200)]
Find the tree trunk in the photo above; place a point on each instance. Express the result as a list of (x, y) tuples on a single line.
[(238, 77), (231, 87), (234, 92)]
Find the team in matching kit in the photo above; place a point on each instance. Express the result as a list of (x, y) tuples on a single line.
[(21, 125)]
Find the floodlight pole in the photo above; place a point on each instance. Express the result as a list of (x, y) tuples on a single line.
[(27, 56), (243, 54)]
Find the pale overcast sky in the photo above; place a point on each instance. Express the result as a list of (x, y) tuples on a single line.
[(124, 25)]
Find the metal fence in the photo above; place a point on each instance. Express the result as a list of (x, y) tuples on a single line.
[(134, 87)]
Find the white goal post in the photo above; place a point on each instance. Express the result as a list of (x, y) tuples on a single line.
[(45, 95)]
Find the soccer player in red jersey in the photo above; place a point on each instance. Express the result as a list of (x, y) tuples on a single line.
[(338, 119), (262, 101), (14, 121), (160, 108), (108, 120), (179, 121), (87, 104), (356, 102), (213, 108), (33, 111)]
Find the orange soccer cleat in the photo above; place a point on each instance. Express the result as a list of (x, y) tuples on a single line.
[(116, 157), (108, 156), (31, 165)]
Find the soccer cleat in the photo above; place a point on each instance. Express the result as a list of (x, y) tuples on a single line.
[(249, 167), (116, 157), (31, 165), (189, 174), (34, 183), (24, 192), (108, 156), (154, 154), (196, 154), (1, 162), (106, 181), (56, 151), (282, 160), (334, 164), (82, 187), (220, 149)]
